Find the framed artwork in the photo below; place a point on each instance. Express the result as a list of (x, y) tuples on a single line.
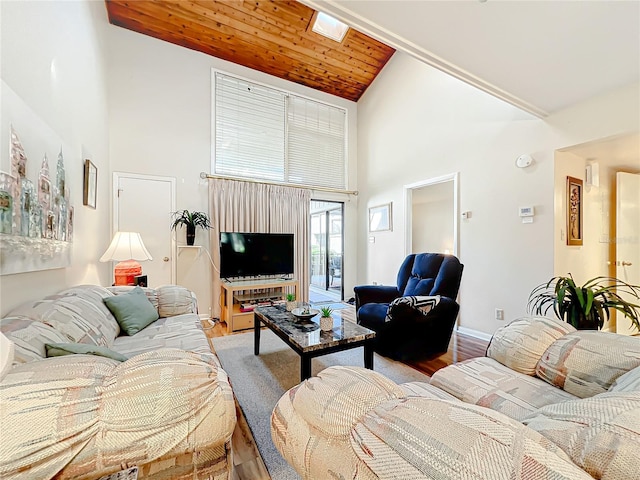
[(34, 216), (574, 211), (380, 219), (90, 184)]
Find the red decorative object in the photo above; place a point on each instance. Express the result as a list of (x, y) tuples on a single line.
[(125, 272)]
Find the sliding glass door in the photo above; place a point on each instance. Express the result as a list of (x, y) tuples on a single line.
[(326, 251)]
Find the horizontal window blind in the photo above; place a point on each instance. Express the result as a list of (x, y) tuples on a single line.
[(250, 124), (264, 133), (315, 146)]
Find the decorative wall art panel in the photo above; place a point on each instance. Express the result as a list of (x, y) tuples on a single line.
[(574, 211), (36, 216)]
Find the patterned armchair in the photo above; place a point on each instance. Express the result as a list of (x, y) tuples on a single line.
[(414, 318)]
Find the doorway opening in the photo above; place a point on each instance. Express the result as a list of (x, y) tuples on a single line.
[(432, 215), (610, 168), (327, 222)]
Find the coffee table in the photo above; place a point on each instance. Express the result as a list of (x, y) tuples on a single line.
[(306, 338)]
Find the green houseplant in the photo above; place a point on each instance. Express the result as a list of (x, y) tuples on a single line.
[(326, 311), (191, 220), (585, 307), (326, 321), (291, 301)]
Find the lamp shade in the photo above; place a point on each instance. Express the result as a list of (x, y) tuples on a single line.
[(126, 246)]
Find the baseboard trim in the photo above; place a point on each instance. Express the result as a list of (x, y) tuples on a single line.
[(474, 333)]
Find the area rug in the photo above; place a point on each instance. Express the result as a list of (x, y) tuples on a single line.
[(331, 305), (260, 381)]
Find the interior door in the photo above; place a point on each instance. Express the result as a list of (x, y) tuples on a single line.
[(627, 238), (143, 204)]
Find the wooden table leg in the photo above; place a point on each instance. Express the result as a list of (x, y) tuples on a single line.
[(256, 335), (305, 367), (368, 355)]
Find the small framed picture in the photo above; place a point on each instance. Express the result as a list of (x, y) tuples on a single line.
[(574, 211), (90, 191), (380, 219)]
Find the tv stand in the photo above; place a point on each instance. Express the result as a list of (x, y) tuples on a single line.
[(238, 292)]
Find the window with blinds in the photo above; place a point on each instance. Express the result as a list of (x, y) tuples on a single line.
[(264, 133)]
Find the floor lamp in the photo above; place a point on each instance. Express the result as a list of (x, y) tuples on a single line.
[(126, 248)]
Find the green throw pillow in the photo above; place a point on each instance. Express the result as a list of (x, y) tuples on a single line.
[(60, 349), (132, 310)]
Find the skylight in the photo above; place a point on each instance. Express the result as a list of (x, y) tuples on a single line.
[(329, 27)]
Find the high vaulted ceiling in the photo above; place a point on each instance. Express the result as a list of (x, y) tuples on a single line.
[(540, 55), (274, 37)]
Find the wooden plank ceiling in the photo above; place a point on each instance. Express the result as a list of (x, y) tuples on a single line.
[(273, 37)]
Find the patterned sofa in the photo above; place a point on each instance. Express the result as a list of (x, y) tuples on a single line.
[(167, 412), (547, 402)]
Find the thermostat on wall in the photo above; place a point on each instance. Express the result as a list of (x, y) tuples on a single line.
[(526, 211)]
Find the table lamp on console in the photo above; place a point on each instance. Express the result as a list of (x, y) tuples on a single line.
[(126, 248)]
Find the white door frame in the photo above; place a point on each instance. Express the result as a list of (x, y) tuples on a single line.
[(627, 258), (408, 210), (114, 208)]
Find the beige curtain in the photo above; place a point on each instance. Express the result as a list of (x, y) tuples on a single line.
[(260, 208)]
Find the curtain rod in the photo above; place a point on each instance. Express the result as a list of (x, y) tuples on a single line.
[(204, 175)]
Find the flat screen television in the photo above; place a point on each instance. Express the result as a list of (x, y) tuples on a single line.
[(255, 254)]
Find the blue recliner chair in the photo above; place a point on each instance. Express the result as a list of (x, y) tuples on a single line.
[(409, 326)]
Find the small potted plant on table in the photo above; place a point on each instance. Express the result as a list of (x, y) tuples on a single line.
[(326, 320), (191, 220), (291, 301)]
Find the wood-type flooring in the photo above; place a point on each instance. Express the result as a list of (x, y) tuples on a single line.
[(247, 459)]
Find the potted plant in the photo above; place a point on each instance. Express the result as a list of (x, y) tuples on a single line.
[(585, 307), (291, 301), (326, 320), (191, 220)]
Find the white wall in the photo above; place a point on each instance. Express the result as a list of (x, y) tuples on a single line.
[(432, 219), (589, 259), (160, 122), (53, 59), (417, 123)]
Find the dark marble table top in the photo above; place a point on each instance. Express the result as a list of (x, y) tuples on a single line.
[(307, 334)]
